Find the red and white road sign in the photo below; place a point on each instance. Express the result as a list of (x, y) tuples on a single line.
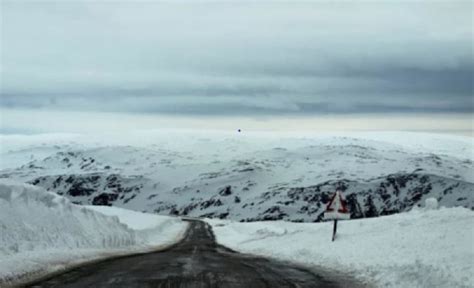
[(336, 209)]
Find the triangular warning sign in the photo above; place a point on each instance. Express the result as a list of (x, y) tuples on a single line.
[(337, 208)]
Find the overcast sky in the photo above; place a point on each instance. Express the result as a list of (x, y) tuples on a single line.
[(257, 60)]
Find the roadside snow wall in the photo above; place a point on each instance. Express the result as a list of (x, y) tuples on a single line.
[(43, 232)]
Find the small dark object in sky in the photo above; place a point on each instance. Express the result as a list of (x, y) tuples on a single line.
[(238, 130)]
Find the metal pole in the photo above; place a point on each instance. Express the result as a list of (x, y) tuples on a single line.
[(334, 230)]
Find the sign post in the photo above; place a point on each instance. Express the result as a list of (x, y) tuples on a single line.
[(334, 230), (336, 209)]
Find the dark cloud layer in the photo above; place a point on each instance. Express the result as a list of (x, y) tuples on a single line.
[(238, 58)]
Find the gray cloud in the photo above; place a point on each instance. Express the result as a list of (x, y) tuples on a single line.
[(238, 58)]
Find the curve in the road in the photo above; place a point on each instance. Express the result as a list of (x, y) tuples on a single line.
[(197, 261)]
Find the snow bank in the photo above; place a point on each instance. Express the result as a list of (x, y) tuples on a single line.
[(41, 232), (151, 228), (421, 248)]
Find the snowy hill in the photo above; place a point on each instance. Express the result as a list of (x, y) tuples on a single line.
[(247, 177)]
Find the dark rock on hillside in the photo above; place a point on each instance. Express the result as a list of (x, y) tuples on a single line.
[(211, 202), (226, 191), (370, 208), (78, 189), (104, 199), (272, 213), (93, 188)]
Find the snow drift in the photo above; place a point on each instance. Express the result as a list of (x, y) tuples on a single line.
[(42, 232), (150, 228), (425, 247)]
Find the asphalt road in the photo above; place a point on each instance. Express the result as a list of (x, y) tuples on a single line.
[(197, 262)]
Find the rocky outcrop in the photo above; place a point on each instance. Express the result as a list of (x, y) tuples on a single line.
[(93, 188)]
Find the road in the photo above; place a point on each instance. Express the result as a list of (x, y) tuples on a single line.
[(195, 262)]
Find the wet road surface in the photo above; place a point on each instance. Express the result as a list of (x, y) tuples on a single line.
[(198, 262)]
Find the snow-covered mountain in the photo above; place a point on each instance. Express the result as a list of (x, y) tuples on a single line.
[(247, 177)]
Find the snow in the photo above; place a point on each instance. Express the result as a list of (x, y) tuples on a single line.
[(167, 171), (420, 248), (431, 203), (41, 232), (133, 219), (150, 227), (336, 215)]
